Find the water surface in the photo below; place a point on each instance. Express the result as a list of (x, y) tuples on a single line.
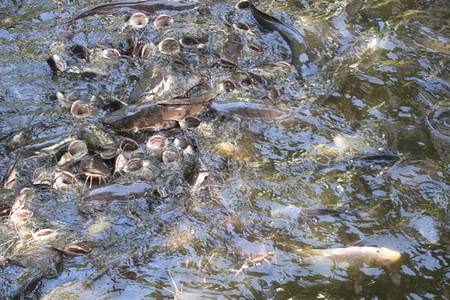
[(381, 89)]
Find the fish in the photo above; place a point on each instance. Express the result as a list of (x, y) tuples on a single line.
[(120, 192), (439, 123), (302, 52), (152, 84), (22, 273), (232, 48), (25, 195), (5, 210), (47, 146), (249, 110), (10, 179), (42, 233), (15, 139), (119, 197), (314, 212), (372, 256), (157, 116), (243, 241), (72, 250), (381, 160), (138, 6)]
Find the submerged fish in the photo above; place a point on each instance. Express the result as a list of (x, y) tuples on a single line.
[(232, 49), (243, 240), (439, 123), (372, 256), (249, 110), (380, 160), (15, 139), (302, 53), (22, 273), (314, 212), (141, 6)]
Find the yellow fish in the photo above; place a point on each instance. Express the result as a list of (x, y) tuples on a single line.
[(372, 256)]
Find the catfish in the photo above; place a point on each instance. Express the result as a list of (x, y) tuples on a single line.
[(137, 6), (157, 116), (302, 52)]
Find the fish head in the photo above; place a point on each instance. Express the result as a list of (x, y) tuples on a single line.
[(385, 257)]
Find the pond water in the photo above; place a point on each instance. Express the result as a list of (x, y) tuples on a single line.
[(365, 132)]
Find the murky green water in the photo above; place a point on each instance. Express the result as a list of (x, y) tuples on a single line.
[(381, 88)]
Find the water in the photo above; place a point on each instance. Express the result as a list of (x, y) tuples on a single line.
[(381, 88)]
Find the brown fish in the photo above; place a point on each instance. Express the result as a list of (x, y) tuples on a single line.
[(232, 49), (140, 6), (158, 116), (72, 250)]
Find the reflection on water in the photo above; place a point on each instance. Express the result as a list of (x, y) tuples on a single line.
[(365, 136)]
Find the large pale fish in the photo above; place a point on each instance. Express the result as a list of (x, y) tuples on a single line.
[(372, 256)]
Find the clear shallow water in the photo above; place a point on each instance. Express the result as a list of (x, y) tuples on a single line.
[(391, 97)]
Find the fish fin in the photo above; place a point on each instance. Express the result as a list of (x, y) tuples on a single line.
[(244, 266)]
